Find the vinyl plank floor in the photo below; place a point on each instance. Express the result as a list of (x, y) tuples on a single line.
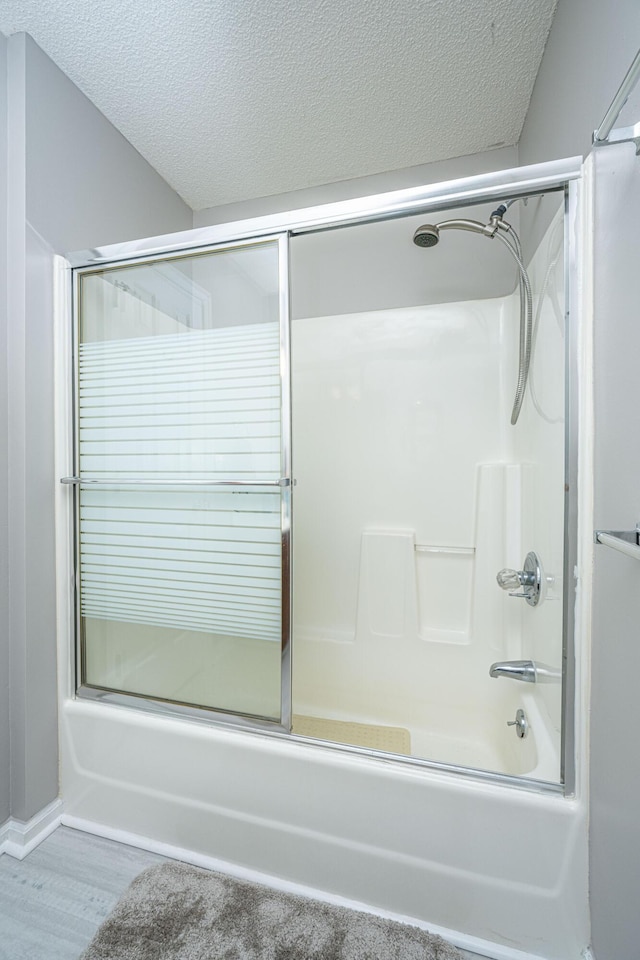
[(52, 902)]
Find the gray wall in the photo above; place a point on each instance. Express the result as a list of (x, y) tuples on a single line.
[(4, 557), (362, 187), (376, 266), (86, 184), (590, 47), (74, 182)]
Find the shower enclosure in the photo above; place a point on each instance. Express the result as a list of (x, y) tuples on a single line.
[(337, 369), (292, 499)]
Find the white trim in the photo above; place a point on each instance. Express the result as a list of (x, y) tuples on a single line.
[(63, 418), (586, 477), (483, 948), (18, 839)]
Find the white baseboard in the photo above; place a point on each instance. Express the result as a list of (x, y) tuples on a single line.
[(18, 839), (483, 948)]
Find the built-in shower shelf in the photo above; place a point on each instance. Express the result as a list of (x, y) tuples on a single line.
[(625, 541)]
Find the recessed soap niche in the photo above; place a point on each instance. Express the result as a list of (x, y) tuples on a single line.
[(444, 581)]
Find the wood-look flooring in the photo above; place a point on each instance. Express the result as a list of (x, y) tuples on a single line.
[(53, 901)]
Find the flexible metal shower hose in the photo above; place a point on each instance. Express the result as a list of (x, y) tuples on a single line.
[(526, 320)]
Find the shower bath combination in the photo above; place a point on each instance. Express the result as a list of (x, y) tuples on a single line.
[(184, 417), (208, 625), (428, 235)]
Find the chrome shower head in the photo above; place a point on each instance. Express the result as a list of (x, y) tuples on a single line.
[(427, 235)]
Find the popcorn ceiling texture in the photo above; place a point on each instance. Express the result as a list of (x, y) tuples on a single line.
[(235, 99)]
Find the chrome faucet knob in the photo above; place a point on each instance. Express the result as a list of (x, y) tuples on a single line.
[(509, 579), (528, 580)]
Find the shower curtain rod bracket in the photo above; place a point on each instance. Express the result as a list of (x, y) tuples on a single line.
[(625, 541), (620, 135), (605, 132)]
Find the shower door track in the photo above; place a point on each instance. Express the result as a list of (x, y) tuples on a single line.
[(515, 182), (519, 182)]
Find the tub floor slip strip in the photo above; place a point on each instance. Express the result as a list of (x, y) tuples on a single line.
[(373, 736)]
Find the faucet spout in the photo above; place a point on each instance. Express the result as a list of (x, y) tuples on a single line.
[(524, 670)]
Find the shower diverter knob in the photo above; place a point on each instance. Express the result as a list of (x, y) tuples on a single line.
[(529, 580)]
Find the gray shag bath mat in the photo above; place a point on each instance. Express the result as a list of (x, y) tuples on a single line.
[(179, 912)]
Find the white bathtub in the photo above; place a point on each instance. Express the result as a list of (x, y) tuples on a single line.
[(498, 869)]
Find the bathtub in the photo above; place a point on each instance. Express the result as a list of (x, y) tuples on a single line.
[(496, 869)]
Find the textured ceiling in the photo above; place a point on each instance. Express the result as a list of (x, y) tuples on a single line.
[(234, 99)]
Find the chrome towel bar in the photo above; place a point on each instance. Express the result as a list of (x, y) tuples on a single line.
[(625, 541), (129, 482)]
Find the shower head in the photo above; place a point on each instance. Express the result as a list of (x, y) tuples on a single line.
[(427, 235)]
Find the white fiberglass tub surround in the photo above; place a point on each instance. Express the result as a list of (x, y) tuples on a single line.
[(499, 869)]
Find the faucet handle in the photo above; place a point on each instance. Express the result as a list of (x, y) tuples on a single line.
[(509, 579), (529, 580)]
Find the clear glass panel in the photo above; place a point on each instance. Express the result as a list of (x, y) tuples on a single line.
[(414, 491), (179, 386)]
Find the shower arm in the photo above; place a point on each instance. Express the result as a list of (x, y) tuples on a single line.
[(472, 226)]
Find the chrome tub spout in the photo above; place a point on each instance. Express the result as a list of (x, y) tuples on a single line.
[(516, 669)]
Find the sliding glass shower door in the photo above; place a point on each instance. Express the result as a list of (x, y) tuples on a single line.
[(183, 479)]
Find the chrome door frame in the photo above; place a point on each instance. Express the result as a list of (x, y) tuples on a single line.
[(285, 483), (515, 182)]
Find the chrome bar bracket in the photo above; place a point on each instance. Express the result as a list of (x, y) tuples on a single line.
[(624, 541), (620, 135), (605, 132)]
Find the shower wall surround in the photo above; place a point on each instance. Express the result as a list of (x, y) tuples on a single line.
[(539, 442), (399, 454)]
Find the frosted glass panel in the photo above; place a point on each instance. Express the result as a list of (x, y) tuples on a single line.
[(179, 387), (202, 560), (208, 408)]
